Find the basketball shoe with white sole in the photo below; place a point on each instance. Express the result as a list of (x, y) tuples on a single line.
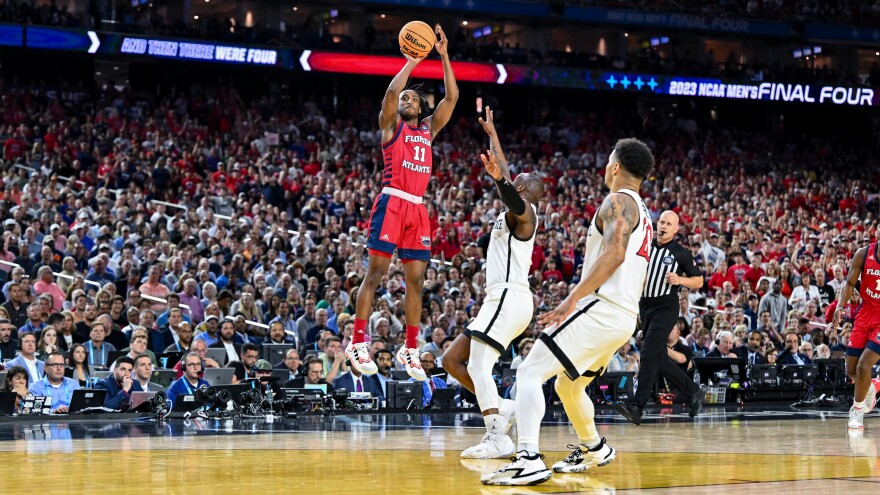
[(871, 396), (492, 446), (583, 458), (409, 358), (856, 418), (359, 355), (524, 470)]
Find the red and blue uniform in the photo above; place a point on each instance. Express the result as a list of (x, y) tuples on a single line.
[(399, 219), (866, 329)]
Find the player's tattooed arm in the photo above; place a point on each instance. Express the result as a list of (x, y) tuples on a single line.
[(618, 217)]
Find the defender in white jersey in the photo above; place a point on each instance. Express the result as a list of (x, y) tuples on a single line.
[(508, 308), (596, 318)]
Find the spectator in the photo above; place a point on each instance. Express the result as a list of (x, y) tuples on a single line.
[(804, 293), (99, 351), (143, 372), (16, 381), (227, 341), (776, 305), (35, 323), (55, 384), (291, 363), (14, 308), (191, 365), (26, 359), (208, 332), (81, 370), (244, 367), (525, 345), (314, 376), (8, 345)]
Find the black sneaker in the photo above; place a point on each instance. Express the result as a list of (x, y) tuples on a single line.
[(630, 410), (697, 402)]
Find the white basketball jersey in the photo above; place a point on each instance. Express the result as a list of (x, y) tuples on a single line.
[(624, 288), (508, 259)]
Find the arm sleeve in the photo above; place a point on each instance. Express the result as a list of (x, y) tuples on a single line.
[(510, 197)]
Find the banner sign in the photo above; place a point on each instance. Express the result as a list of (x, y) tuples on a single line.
[(122, 45), (681, 21)]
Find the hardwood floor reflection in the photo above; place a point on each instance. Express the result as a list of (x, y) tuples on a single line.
[(767, 456)]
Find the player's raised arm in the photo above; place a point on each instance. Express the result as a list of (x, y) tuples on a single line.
[(444, 109), (617, 218), (388, 113), (494, 143)]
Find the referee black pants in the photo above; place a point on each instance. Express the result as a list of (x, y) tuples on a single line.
[(657, 323)]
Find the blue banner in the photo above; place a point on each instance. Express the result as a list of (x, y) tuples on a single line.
[(688, 22), (58, 39), (11, 35), (860, 34), (506, 7)]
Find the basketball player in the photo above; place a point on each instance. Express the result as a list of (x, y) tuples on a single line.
[(582, 334), (864, 343), (399, 220), (508, 307)]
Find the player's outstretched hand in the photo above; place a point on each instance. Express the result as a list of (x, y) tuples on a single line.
[(442, 44), (489, 123), (558, 315), (410, 58), (490, 163)]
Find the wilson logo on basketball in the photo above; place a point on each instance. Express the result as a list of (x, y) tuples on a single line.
[(415, 41)]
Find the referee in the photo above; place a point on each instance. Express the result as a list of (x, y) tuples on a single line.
[(670, 267)]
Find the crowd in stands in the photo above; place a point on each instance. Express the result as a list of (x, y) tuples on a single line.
[(152, 225)]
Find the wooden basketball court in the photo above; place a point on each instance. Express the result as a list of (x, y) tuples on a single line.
[(721, 452)]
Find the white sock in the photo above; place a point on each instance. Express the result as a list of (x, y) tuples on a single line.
[(859, 405), (494, 423), (530, 448)]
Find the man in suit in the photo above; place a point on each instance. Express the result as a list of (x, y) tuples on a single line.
[(314, 376), (354, 381), (384, 361), (34, 367), (433, 382), (8, 345), (724, 347), (227, 341), (751, 353), (291, 363), (119, 385), (791, 356), (143, 371)]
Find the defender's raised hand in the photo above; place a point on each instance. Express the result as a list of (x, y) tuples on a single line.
[(489, 123), (490, 163)]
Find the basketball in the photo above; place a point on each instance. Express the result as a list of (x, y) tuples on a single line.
[(416, 39)]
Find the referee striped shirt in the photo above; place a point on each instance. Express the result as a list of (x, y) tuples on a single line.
[(670, 257)]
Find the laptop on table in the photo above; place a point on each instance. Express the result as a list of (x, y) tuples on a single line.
[(219, 376), (87, 398)]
